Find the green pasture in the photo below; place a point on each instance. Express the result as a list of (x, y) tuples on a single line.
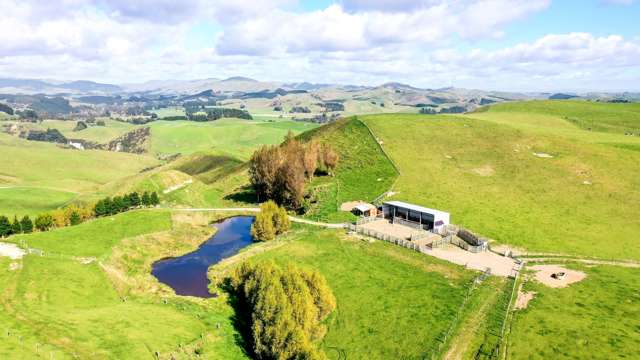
[(169, 111), (58, 307), (391, 302), (233, 136), (46, 165), (595, 318), (576, 199), (616, 118), (31, 201)]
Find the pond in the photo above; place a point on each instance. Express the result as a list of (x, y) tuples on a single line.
[(187, 274)]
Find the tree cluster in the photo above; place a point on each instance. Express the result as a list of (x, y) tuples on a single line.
[(285, 308), (6, 109), (28, 115), (117, 204), (23, 226), (272, 220), (280, 173), (332, 106), (300, 110), (211, 114)]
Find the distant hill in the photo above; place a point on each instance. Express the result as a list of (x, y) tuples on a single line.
[(90, 86), (239, 78), (561, 96), (37, 86)]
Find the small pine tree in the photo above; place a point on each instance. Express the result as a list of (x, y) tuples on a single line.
[(26, 224), (146, 200), (75, 219), (155, 200), (16, 228), (135, 199), (44, 222), (5, 226), (99, 209), (118, 205), (126, 202), (109, 206)]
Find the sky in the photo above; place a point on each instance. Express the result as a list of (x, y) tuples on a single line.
[(511, 45)]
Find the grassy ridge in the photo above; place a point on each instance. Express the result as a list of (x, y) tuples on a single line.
[(363, 172), (487, 175)]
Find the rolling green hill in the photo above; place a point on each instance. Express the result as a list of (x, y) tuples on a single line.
[(529, 188), (38, 176), (616, 118), (233, 136)]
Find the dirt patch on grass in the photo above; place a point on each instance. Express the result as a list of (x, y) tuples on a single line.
[(543, 155), (522, 301), (486, 170), (545, 275), (11, 251)]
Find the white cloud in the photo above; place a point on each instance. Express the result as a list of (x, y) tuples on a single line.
[(335, 29), (352, 41)]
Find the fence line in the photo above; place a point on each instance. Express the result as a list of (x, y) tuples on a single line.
[(385, 237), (393, 164), (455, 322)]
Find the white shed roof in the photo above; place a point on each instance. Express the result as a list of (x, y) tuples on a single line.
[(404, 205), (364, 207)]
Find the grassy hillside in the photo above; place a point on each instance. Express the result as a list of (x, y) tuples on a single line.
[(363, 172), (579, 197), (595, 318), (617, 118), (237, 137), (38, 176), (105, 233), (30, 201)]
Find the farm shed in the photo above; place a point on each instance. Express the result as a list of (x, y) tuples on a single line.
[(414, 215), (364, 209)]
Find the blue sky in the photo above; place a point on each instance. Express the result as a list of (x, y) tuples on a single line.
[(519, 45)]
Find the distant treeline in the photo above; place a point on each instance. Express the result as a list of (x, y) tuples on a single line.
[(211, 114), (6, 108)]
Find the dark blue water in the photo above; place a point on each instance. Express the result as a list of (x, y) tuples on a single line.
[(187, 274)]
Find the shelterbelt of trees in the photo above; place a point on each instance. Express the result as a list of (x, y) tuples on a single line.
[(75, 214), (280, 172)]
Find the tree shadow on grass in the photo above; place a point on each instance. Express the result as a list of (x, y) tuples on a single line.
[(241, 319), (244, 194)]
